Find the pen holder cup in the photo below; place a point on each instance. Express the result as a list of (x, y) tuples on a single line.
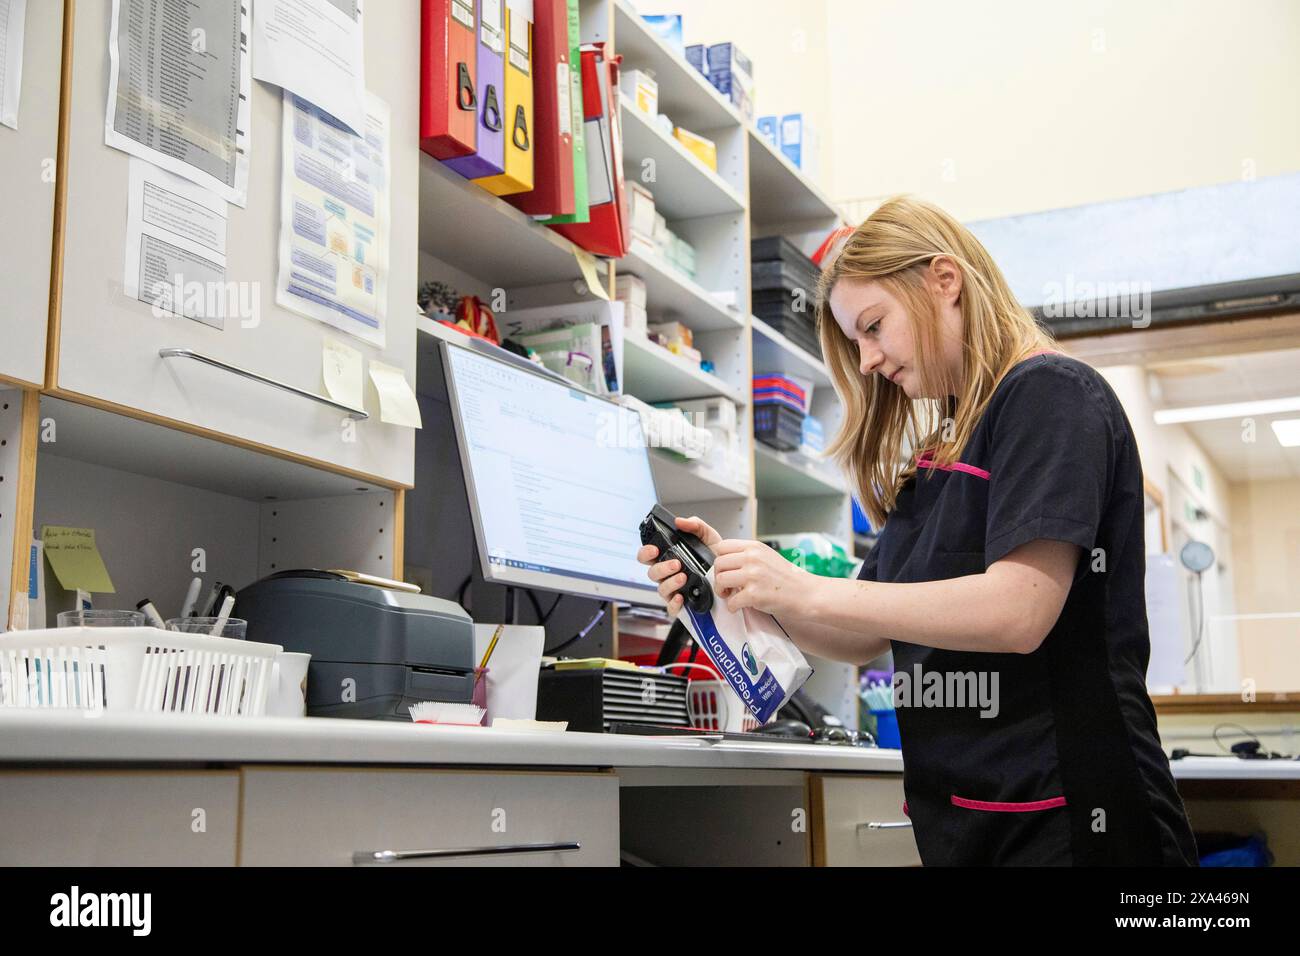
[(887, 729), (480, 688)]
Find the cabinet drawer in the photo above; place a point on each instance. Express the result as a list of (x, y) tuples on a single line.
[(108, 344), (118, 818), (844, 805), (321, 817)]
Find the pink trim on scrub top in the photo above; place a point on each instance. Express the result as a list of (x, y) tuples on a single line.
[(1008, 807)]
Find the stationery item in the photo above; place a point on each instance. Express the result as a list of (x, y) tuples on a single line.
[(151, 613), (581, 203), (207, 606), (448, 57), (362, 578), (191, 597), (341, 368), (12, 19), (587, 263), (519, 79), (175, 245), (594, 663), (223, 617), (209, 626), (437, 712), (201, 129), (83, 600), (607, 233), (92, 617), (288, 696), (314, 48), (492, 646), (552, 132), (489, 156), (397, 402), (334, 216), (75, 559)]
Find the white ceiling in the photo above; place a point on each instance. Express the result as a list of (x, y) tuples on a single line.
[(1214, 380)]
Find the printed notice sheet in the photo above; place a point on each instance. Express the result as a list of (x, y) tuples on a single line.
[(178, 89), (175, 245), (334, 196), (314, 48), (12, 16)]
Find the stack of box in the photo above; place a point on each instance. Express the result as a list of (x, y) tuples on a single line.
[(676, 338), (780, 404), (732, 75), (783, 284), (641, 211), (814, 436), (642, 89), (630, 290), (705, 150), (727, 457)]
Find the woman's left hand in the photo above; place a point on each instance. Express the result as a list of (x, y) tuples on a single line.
[(750, 574)]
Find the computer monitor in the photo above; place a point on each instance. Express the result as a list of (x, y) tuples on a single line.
[(558, 480)]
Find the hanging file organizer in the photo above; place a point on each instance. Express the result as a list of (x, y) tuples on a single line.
[(448, 100), (489, 158), (518, 117), (552, 192)]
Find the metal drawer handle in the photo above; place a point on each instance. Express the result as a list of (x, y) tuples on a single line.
[(392, 856), (351, 412), (873, 825)]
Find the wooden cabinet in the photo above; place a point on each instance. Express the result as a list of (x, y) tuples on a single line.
[(118, 817), (108, 345), (844, 806), (322, 817), (27, 169)]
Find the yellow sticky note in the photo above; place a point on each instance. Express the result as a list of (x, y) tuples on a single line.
[(397, 403), (587, 263), (344, 381), (75, 559)]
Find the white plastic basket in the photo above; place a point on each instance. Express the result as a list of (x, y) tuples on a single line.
[(142, 669), (712, 706)]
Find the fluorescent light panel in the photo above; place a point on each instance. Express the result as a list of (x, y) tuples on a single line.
[(1207, 413), (1287, 431)]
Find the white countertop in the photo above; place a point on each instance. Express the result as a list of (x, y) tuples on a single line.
[(33, 736)]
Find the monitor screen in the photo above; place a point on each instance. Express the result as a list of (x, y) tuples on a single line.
[(558, 479)]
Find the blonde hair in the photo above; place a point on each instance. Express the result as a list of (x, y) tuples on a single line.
[(895, 246)]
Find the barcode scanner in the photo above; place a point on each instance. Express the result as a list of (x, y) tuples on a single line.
[(660, 529)]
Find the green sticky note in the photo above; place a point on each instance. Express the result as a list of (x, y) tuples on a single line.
[(75, 559)]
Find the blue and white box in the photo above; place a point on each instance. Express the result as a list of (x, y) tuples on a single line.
[(732, 73), (769, 127), (667, 27), (799, 142), (695, 57)]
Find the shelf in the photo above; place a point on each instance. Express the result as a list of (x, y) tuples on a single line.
[(773, 352), (690, 188), (483, 235), (781, 197), (653, 374), (672, 295), (790, 474), (676, 480), (684, 92)]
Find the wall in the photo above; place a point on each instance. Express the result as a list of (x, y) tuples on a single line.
[(1266, 541), (998, 107)]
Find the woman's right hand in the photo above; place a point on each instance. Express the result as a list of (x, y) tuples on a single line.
[(668, 573)]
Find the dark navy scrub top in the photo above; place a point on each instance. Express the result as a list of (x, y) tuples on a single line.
[(1069, 771)]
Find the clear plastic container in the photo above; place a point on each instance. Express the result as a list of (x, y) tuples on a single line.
[(102, 618), (232, 627)]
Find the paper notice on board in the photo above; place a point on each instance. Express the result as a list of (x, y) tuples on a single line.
[(75, 559), (341, 367), (13, 15), (176, 247), (179, 81), (334, 197), (314, 48), (397, 403)]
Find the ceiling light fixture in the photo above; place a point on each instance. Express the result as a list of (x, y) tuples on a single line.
[(1207, 413)]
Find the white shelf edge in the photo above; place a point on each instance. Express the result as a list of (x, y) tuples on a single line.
[(794, 171), (799, 353), (801, 464), (713, 383), (685, 283)]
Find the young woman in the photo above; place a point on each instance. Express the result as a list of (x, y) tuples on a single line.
[(1008, 576)]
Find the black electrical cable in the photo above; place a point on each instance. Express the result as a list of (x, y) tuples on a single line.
[(604, 606), (547, 616)]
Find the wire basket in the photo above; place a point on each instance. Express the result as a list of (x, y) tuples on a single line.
[(140, 669)]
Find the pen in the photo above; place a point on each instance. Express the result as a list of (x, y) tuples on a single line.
[(192, 595), (227, 606), (212, 603), (152, 614)]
